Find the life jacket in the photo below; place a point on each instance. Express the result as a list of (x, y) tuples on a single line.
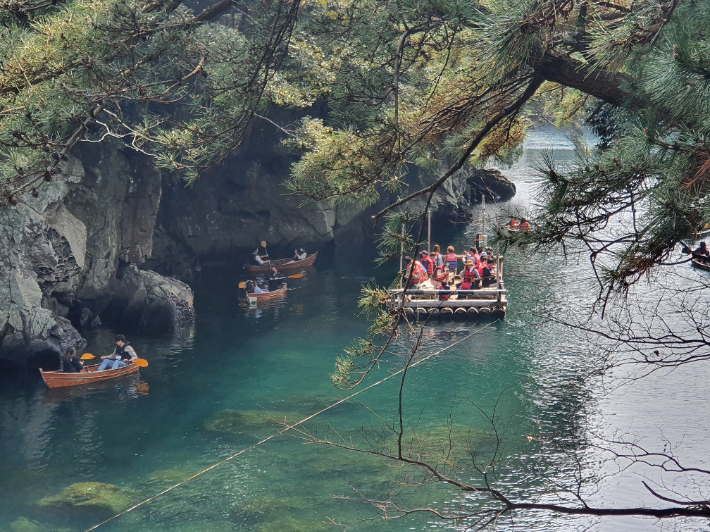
[(444, 295), (465, 285), (452, 260), (422, 271), (470, 276), (514, 223), (525, 225), (429, 265), (121, 352), (440, 276)]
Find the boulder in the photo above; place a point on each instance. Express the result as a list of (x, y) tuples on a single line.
[(150, 301), (92, 495)]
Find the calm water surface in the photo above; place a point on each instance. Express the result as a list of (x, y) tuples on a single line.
[(216, 390)]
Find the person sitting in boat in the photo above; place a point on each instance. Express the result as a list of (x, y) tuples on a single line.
[(464, 285), (263, 286), (525, 225), (121, 356), (427, 263), (439, 277), (436, 256), (274, 281), (451, 259), (487, 276), (514, 223), (261, 260), (299, 254), (416, 274), (69, 362), (702, 250), (471, 274)]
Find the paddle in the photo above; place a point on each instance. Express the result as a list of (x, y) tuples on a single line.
[(140, 362), (294, 276)]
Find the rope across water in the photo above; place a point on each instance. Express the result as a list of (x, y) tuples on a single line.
[(288, 427)]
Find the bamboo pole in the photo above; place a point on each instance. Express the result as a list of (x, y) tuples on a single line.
[(428, 221), (401, 257)]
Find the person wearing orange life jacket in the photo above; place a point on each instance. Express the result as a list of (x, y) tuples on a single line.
[(451, 259), (525, 225), (427, 263), (436, 256), (514, 223), (439, 277), (471, 274), (417, 274)]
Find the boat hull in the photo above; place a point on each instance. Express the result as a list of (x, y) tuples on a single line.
[(268, 296), (283, 265), (59, 379), (701, 265)]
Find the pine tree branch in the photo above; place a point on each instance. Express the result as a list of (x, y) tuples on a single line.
[(601, 83), (532, 87)]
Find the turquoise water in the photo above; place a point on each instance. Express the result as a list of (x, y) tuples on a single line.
[(217, 390)]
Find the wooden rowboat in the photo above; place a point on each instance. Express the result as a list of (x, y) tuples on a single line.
[(701, 265), (268, 296), (58, 379), (283, 265)]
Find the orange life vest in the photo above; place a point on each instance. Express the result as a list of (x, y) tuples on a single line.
[(428, 264), (452, 260)]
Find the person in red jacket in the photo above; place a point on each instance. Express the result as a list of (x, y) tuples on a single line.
[(439, 277), (451, 259), (427, 262), (418, 273)]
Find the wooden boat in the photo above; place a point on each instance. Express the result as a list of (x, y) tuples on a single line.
[(58, 379), (268, 296), (283, 265), (701, 265)]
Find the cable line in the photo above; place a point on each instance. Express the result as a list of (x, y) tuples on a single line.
[(288, 427)]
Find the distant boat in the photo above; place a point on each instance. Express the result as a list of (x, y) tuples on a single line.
[(58, 379), (283, 265), (267, 296)]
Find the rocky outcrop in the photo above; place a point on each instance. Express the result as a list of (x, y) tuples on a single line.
[(62, 251), (237, 206), (149, 301), (81, 253)]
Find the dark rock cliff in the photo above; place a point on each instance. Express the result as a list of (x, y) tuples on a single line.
[(82, 252)]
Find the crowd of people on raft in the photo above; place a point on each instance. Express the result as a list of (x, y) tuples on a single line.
[(479, 270), (517, 225)]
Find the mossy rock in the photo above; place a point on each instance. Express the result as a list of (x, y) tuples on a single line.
[(289, 524), (264, 509), (240, 421), (23, 524), (93, 495)]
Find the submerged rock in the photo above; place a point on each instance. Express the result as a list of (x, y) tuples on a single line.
[(240, 421), (25, 525), (266, 509), (92, 495)]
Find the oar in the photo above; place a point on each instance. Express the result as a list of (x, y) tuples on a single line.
[(294, 276), (140, 362)]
